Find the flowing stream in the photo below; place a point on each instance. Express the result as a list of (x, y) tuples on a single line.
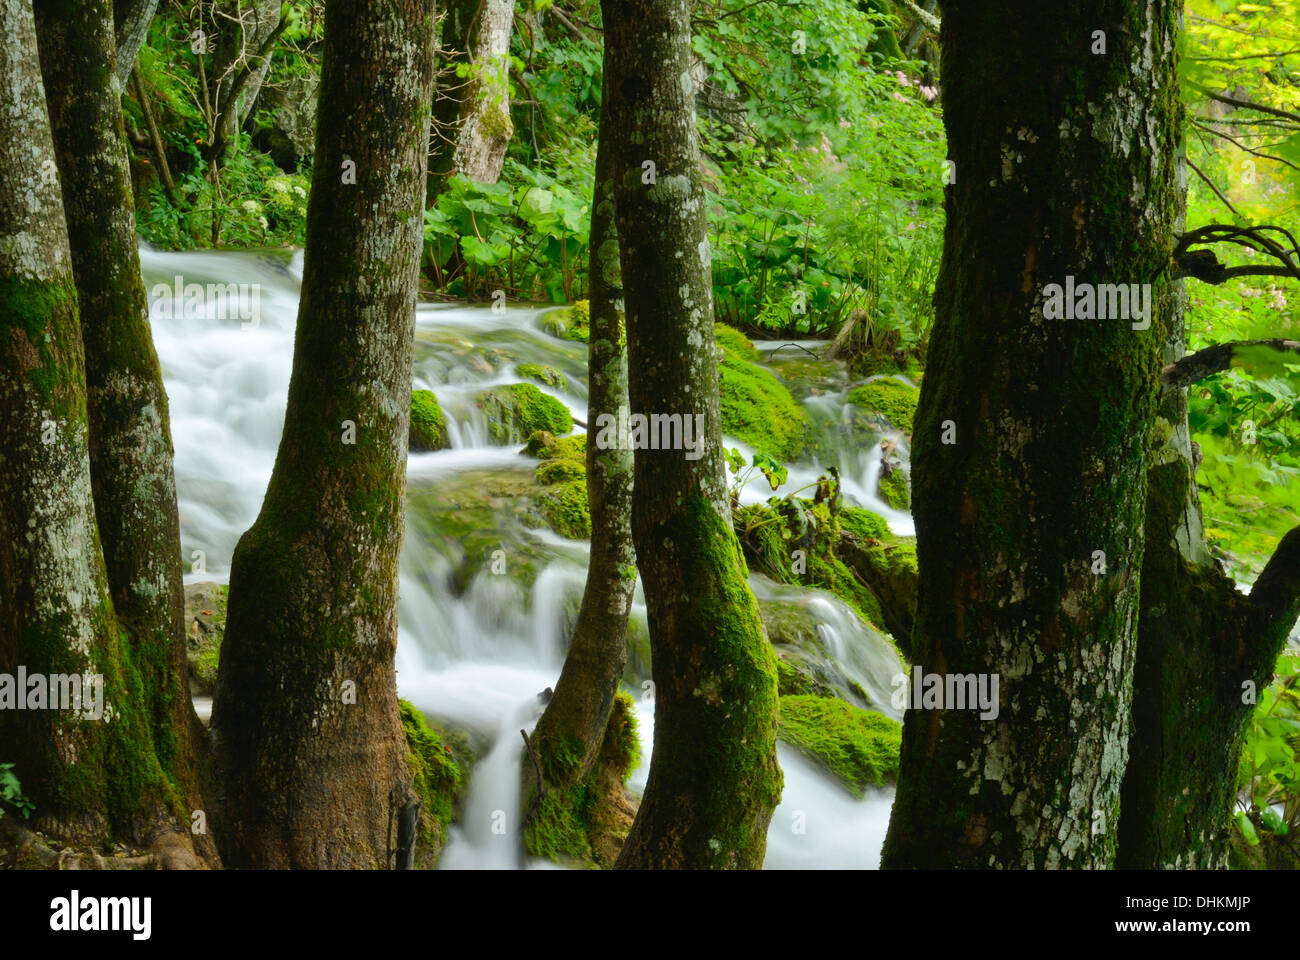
[(477, 654)]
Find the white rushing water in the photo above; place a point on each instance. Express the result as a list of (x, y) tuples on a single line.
[(478, 657)]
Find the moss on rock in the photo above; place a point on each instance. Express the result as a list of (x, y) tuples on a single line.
[(892, 399), (564, 505), (859, 747), (570, 323), (544, 374), (436, 779), (428, 425), (729, 338), (516, 411), (894, 489), (758, 409), (205, 627)]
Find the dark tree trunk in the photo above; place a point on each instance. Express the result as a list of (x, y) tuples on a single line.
[(714, 779), (93, 774), (306, 708), (126, 406), (1070, 175), (580, 709)]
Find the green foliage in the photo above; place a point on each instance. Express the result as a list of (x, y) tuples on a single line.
[(1269, 774), (525, 235), (859, 747), (11, 792)]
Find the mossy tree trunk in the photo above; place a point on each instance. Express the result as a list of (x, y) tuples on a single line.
[(570, 731), (126, 405), (714, 779), (1030, 522), (1205, 652), (306, 711), (94, 773), (473, 112)]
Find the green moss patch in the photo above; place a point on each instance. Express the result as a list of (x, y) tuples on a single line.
[(859, 747), (892, 399), (516, 411), (544, 374), (436, 779), (894, 490), (570, 323), (758, 409), (428, 425)]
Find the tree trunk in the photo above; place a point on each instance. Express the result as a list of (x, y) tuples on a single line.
[(126, 405), (131, 20), (92, 772), (473, 113), (306, 707), (570, 731), (1030, 518), (1205, 651), (714, 779)]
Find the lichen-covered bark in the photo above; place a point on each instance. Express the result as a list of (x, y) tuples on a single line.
[(570, 731), (714, 779), (1072, 174), (130, 436), (131, 25), (306, 709), (473, 113), (92, 778)]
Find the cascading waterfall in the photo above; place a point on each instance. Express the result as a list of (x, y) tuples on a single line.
[(479, 656)]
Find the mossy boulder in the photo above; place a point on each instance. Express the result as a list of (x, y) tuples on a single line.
[(565, 507), (428, 425), (886, 563), (437, 779), (891, 399), (546, 446), (858, 747), (516, 411), (894, 489), (794, 541), (803, 665), (544, 374), (757, 408), (570, 323), (563, 475), (205, 628)]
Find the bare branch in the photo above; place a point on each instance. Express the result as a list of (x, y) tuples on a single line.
[(1216, 359)]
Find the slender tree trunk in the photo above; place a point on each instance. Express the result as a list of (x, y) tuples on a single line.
[(714, 779), (126, 406), (92, 771), (131, 20), (473, 113), (580, 709), (1031, 438), (306, 707)]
